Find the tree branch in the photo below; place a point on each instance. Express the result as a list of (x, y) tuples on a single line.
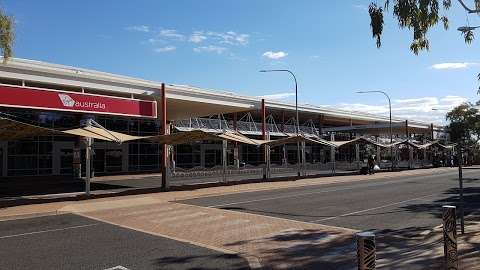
[(467, 8)]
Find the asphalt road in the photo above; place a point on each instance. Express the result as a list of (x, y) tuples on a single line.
[(74, 242), (403, 205)]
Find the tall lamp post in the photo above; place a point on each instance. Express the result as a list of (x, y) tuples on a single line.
[(390, 122), (297, 124)]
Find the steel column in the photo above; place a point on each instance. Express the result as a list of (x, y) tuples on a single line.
[(236, 157), (164, 131), (88, 171), (224, 160), (264, 137)]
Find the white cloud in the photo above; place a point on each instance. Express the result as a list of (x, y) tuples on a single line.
[(210, 48), (170, 33), (275, 55), (138, 28), (361, 7), (453, 65), (230, 37), (278, 96), (429, 109), (197, 37), (165, 49), (156, 41)]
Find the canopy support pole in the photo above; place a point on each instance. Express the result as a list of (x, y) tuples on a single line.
[(304, 160), (332, 152), (264, 137), (88, 171), (164, 161), (357, 155), (236, 154), (379, 153), (224, 161)]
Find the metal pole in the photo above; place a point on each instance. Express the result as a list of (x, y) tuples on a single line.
[(450, 237), (460, 184), (264, 137), (332, 153), (304, 161), (390, 120), (391, 133), (297, 122), (164, 165), (88, 175), (224, 160), (366, 251)]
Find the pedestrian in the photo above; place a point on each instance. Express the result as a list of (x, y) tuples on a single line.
[(371, 164)]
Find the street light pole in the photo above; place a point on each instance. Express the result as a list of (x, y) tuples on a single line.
[(390, 120), (297, 123)]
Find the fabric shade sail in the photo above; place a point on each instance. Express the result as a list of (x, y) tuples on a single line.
[(437, 144), (299, 138), (102, 134), (200, 135), (14, 130), (422, 146), (237, 137), (357, 140), (11, 130)]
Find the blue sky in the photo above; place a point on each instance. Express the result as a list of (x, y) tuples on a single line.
[(220, 44)]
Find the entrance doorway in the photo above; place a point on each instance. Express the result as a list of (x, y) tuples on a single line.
[(107, 158)]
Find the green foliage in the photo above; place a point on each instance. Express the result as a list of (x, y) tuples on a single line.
[(464, 124), (418, 16), (376, 15), (6, 35)]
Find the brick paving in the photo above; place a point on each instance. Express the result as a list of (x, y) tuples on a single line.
[(260, 239)]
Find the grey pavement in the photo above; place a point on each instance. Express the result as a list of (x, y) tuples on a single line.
[(74, 242)]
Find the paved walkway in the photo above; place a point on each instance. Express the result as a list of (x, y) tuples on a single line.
[(261, 240), (267, 241)]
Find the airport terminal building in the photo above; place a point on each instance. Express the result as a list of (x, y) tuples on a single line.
[(63, 97)]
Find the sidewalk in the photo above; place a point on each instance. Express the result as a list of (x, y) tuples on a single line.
[(52, 207)]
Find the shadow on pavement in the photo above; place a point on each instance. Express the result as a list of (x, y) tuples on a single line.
[(304, 249), (235, 262), (471, 197)]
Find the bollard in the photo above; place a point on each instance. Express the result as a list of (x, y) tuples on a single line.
[(366, 251), (450, 237)]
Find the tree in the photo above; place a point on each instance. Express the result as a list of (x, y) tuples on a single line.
[(6, 35), (464, 127), (419, 16)]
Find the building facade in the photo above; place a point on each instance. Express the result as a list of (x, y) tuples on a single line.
[(62, 97)]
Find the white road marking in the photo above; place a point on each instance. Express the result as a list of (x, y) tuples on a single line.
[(375, 208), (316, 192), (46, 231)]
